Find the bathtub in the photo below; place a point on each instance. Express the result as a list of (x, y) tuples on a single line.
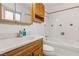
[(65, 48)]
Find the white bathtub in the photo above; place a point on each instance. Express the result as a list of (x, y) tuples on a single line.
[(65, 48)]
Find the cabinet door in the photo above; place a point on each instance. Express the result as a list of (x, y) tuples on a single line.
[(37, 11), (38, 52), (40, 9), (25, 52)]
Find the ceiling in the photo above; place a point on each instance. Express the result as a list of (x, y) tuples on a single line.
[(50, 6)]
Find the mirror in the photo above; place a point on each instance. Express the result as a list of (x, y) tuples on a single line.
[(20, 13), (8, 11), (24, 10)]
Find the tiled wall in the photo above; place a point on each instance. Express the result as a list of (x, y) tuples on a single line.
[(9, 31), (64, 26)]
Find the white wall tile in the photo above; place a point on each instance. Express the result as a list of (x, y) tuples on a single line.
[(8, 31), (65, 18)]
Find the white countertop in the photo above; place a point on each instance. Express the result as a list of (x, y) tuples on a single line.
[(13, 43)]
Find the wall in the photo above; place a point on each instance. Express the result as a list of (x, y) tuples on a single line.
[(9, 31), (71, 33)]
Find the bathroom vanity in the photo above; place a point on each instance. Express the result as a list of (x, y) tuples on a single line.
[(33, 47)]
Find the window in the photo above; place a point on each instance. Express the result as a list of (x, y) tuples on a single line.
[(8, 15), (17, 16)]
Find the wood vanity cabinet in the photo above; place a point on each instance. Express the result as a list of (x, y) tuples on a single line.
[(38, 12), (32, 49)]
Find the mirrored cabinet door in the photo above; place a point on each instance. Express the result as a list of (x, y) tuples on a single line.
[(24, 9), (8, 10), (17, 12)]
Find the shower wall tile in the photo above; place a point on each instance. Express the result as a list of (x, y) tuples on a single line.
[(71, 33)]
